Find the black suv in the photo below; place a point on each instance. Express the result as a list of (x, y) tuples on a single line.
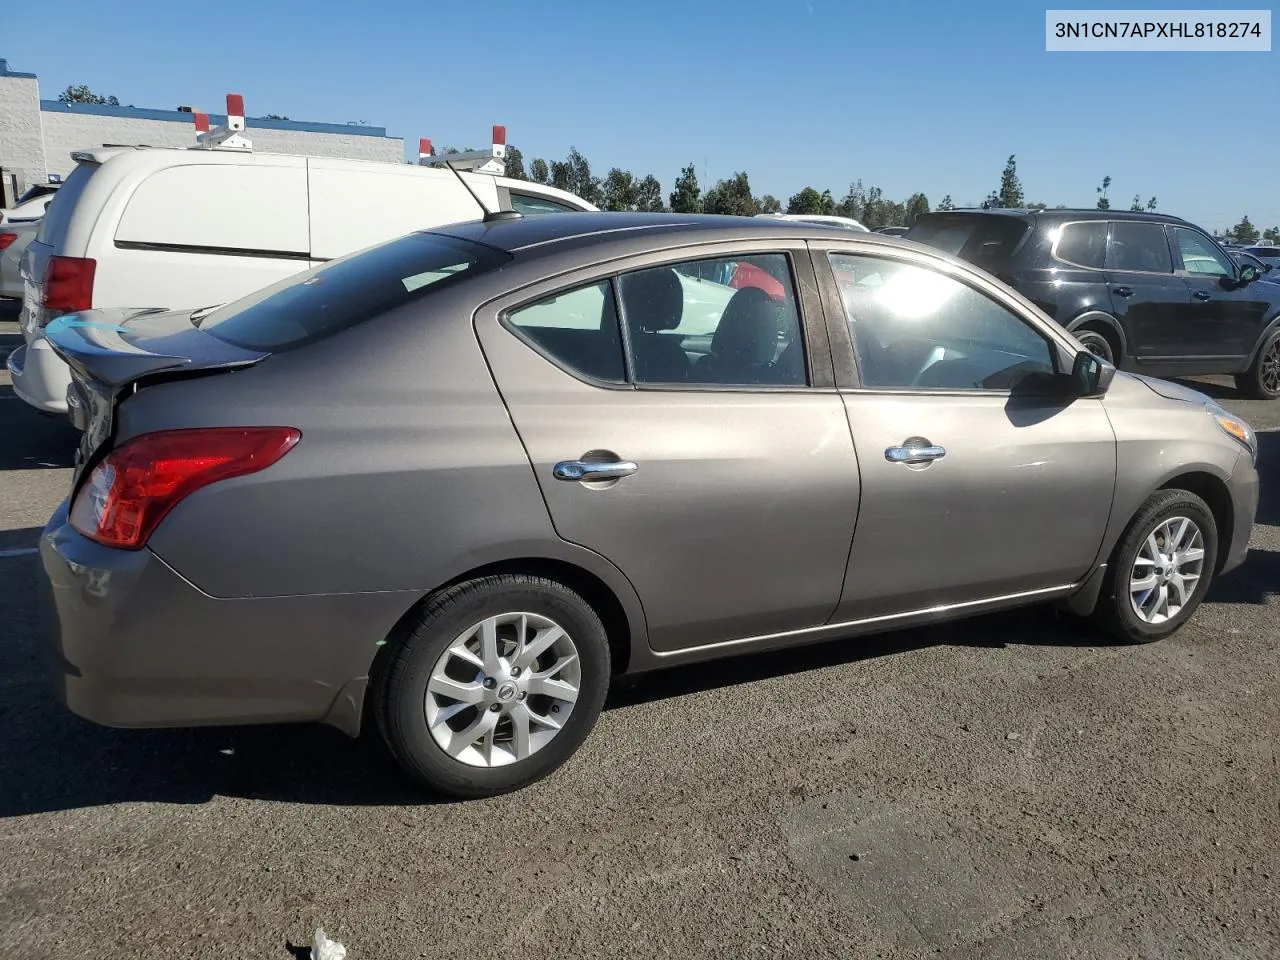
[(1151, 293)]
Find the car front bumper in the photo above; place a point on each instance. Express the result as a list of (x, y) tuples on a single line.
[(131, 643), (1244, 487), (39, 376)]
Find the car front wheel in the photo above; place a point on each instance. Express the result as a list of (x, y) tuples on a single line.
[(1161, 568), (496, 685)]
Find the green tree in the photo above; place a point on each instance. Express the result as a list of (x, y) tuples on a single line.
[(946, 203), (875, 209), (895, 214), (1151, 205), (917, 207), (854, 203), (1244, 231), (80, 93), (1136, 206), (539, 171), (275, 116), (1271, 233), (1103, 202), (992, 201), (621, 192), (649, 195), (1010, 186), (770, 204), (514, 164), (731, 197), (686, 197), (810, 201)]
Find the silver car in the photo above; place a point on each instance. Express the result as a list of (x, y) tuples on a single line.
[(15, 237), (461, 481)]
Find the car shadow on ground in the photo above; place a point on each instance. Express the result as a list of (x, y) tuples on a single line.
[(33, 440)]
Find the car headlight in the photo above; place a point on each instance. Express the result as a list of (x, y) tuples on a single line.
[(1231, 424)]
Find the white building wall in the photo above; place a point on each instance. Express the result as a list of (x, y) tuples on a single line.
[(21, 144), (65, 132)]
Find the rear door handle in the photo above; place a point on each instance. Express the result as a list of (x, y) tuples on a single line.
[(1123, 291), (1201, 295), (915, 451), (587, 470)]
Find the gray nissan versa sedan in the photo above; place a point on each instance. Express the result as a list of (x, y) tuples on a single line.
[(464, 478)]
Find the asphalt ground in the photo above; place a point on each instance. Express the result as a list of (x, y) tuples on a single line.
[(1010, 786)]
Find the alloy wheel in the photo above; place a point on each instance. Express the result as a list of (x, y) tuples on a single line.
[(1269, 369), (503, 689), (1167, 569)]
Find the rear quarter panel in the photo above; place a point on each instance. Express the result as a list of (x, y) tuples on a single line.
[(409, 472), (1061, 290)]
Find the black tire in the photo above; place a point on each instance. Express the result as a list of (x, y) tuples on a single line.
[(1262, 380), (1100, 343), (399, 685), (1115, 613)]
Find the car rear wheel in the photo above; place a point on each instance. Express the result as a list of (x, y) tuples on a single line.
[(496, 684), (1097, 343), (1161, 568), (1262, 380)]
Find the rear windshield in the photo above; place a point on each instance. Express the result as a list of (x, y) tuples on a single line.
[(985, 240), (53, 226), (316, 304)]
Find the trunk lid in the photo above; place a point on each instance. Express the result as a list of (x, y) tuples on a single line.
[(111, 351)]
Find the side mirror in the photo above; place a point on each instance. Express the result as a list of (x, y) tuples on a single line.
[(1248, 273), (1091, 374)]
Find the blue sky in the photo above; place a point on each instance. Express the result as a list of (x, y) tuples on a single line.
[(904, 95)]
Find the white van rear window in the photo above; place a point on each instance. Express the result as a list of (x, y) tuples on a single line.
[(53, 225)]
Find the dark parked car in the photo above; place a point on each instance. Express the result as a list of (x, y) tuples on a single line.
[(1152, 293), (467, 477)]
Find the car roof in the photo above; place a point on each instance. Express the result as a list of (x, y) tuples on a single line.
[(567, 230)]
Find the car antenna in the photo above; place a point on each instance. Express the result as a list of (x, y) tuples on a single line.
[(491, 161)]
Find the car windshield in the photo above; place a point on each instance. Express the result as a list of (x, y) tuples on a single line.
[(343, 293)]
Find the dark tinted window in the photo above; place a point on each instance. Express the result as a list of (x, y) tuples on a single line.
[(984, 239), (1084, 244), (915, 328), (1139, 246), (577, 329), (318, 303), (525, 204)]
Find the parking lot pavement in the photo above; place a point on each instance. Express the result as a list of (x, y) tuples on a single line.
[(1007, 787)]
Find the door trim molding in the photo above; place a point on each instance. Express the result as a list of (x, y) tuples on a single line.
[(1044, 593)]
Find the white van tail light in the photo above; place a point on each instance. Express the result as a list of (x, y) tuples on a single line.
[(228, 135), (67, 287), (491, 161)]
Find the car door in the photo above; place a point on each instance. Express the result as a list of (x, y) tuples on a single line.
[(725, 489), (1223, 317), (974, 487), (1147, 297)]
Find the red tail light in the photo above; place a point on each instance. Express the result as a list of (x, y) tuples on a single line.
[(140, 481), (68, 285), (6, 238)]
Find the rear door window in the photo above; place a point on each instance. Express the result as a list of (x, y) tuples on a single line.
[(308, 307), (53, 226), (1139, 246)]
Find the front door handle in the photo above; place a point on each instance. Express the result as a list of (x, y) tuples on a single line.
[(1201, 295), (1123, 292), (588, 470), (915, 450)]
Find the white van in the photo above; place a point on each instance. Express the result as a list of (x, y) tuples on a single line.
[(186, 228)]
